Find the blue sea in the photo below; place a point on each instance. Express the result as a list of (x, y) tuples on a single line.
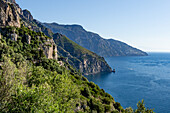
[(137, 78)]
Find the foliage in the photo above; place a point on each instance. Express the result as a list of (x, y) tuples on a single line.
[(29, 82), (142, 109)]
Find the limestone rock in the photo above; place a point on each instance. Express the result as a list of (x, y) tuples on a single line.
[(8, 14), (28, 38), (50, 49), (55, 52), (50, 52)]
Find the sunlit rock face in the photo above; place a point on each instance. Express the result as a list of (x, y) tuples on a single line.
[(12, 15), (9, 15)]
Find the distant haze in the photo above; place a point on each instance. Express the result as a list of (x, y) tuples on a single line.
[(144, 24)]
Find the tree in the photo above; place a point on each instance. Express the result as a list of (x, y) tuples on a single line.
[(7, 79), (141, 108)]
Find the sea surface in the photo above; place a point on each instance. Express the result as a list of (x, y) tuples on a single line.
[(137, 78)]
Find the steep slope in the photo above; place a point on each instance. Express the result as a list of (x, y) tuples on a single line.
[(84, 60), (15, 16), (31, 81), (93, 42)]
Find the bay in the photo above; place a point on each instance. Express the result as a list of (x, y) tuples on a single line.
[(137, 78)]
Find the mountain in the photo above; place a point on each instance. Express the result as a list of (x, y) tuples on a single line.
[(82, 59), (32, 80), (94, 42), (31, 77), (13, 15)]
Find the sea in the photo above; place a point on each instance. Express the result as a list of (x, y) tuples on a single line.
[(137, 78)]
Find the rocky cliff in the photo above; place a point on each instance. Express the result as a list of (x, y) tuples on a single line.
[(9, 14), (12, 15), (84, 60), (94, 42)]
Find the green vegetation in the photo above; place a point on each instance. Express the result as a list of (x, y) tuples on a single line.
[(31, 83)]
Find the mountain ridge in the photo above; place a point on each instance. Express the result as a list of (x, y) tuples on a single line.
[(94, 42)]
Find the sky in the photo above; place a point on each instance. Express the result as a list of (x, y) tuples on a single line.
[(144, 24)]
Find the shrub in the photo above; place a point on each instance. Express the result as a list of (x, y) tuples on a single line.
[(118, 106), (141, 108), (86, 92), (96, 105), (92, 84), (106, 100)]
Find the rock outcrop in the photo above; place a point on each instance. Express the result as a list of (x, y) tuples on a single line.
[(50, 49), (9, 15), (28, 38)]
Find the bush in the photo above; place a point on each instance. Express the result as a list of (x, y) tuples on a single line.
[(106, 100), (86, 92), (96, 105), (117, 106), (141, 108), (92, 84)]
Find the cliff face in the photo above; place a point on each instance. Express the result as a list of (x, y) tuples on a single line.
[(9, 15), (93, 42), (12, 15), (84, 60), (50, 49)]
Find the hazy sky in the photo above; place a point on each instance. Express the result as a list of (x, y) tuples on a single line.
[(144, 24)]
